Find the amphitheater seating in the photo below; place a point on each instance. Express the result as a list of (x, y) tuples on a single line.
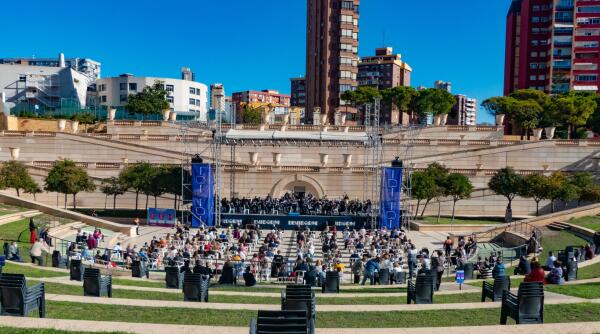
[(195, 287), (139, 269), (281, 322), (173, 278), (16, 299), (494, 291), (75, 270), (332, 282), (299, 297), (420, 292), (527, 307), (96, 285)]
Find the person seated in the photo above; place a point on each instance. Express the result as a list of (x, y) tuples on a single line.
[(249, 279), (524, 267), (227, 276), (550, 262), (588, 252), (536, 274), (556, 274), (499, 269), (13, 252)]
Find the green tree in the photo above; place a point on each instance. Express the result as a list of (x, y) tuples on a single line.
[(155, 186), (400, 96), (590, 194), (583, 107), (136, 177), (68, 179), (85, 118), (537, 96), (14, 175), (33, 188), (171, 181), (422, 188), (498, 105), (527, 114), (582, 180), (535, 186), (558, 188), (506, 183), (113, 186), (151, 100), (438, 174), (361, 96), (458, 187), (433, 101), (251, 115)]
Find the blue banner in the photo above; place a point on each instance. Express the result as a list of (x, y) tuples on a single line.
[(203, 195), (161, 217), (294, 222), (389, 204)]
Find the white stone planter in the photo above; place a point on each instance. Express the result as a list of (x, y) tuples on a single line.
[(317, 118), (437, 120), (166, 114), (537, 133), (324, 159), (14, 153), (277, 159), (172, 116), (253, 158), (500, 119), (347, 160), (343, 119), (262, 127), (62, 124), (550, 132), (75, 126), (112, 113), (323, 119), (444, 119)]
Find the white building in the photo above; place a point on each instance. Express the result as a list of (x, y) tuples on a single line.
[(186, 97), (40, 88), (86, 66)]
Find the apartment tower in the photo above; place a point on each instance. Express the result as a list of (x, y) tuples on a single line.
[(331, 56)]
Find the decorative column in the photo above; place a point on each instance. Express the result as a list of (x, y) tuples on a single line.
[(253, 158), (324, 159), (277, 159), (347, 160)]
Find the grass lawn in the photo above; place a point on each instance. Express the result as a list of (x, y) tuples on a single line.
[(12, 231), (462, 221), (591, 222), (66, 289), (139, 282), (12, 330), (30, 271), (555, 241), (241, 318), (514, 282), (592, 271), (588, 291), (9, 209)]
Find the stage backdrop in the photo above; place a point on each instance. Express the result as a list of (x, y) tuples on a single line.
[(203, 195), (161, 217), (389, 204)]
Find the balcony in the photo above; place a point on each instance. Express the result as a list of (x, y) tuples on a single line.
[(562, 43)]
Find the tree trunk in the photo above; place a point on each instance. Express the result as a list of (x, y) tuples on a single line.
[(425, 207), (155, 205), (439, 210), (453, 209), (537, 208), (146, 202), (417, 210), (137, 195), (65, 201), (74, 201), (105, 200), (552, 206), (175, 202), (508, 214), (115, 203), (18, 194)]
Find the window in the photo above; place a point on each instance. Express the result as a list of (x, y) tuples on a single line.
[(534, 66), (192, 90), (346, 47), (586, 77), (535, 8), (103, 98), (541, 77), (347, 33), (133, 86), (347, 75), (22, 78), (169, 88), (344, 88), (534, 42), (532, 77), (586, 44), (170, 99), (123, 98), (347, 61), (588, 9), (193, 102), (534, 54), (123, 86), (535, 19), (347, 5), (347, 19)]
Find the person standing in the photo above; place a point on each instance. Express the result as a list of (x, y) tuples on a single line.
[(37, 251), (32, 231), (412, 261), (136, 221), (437, 265)]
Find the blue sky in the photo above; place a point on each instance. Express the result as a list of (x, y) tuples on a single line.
[(259, 44)]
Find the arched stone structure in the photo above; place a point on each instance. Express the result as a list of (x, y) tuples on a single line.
[(288, 183)]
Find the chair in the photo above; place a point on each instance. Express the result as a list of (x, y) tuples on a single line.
[(468, 268), (282, 322), (420, 292), (195, 287), (527, 307), (571, 272), (75, 270), (16, 299), (299, 297), (384, 276), (332, 282), (173, 278), (139, 269), (400, 277), (96, 285), (56, 259), (494, 291)]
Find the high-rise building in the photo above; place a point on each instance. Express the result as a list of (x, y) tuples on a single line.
[(298, 92), (385, 70), (88, 67), (331, 56), (443, 85), (552, 45), (464, 111), (217, 97)]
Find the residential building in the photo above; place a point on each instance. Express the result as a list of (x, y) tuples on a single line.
[(41, 88), (464, 111), (385, 70), (331, 56), (298, 92), (217, 96), (188, 98), (266, 96), (553, 46), (443, 85), (85, 66)]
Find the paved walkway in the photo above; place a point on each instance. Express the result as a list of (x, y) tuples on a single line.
[(549, 300), (140, 328)]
